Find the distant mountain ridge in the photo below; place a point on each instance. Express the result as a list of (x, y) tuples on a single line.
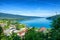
[(5, 15), (53, 17)]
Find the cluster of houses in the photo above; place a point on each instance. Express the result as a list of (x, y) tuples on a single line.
[(12, 28), (20, 32)]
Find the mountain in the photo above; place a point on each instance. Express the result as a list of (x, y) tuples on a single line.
[(5, 15), (53, 17)]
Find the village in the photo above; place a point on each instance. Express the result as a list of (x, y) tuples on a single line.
[(13, 30), (21, 29)]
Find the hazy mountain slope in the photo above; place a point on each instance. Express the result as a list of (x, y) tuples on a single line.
[(53, 17), (5, 15)]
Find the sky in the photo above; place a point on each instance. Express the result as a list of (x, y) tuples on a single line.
[(41, 8)]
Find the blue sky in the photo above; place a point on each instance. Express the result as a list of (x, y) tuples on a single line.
[(41, 8)]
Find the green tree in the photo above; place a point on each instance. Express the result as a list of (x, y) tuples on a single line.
[(56, 23), (17, 25), (1, 31), (17, 38), (2, 36), (30, 34), (34, 35), (55, 31)]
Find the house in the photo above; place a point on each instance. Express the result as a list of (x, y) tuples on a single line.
[(22, 32), (2, 24), (43, 29)]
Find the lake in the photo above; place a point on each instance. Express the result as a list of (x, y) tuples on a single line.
[(38, 23)]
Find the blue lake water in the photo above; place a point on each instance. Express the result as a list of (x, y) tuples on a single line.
[(41, 22)]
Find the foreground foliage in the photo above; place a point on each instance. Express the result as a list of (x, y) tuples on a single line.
[(31, 34)]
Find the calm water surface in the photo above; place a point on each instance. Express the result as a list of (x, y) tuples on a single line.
[(41, 22)]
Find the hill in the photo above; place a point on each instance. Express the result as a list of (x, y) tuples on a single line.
[(53, 17), (11, 16)]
